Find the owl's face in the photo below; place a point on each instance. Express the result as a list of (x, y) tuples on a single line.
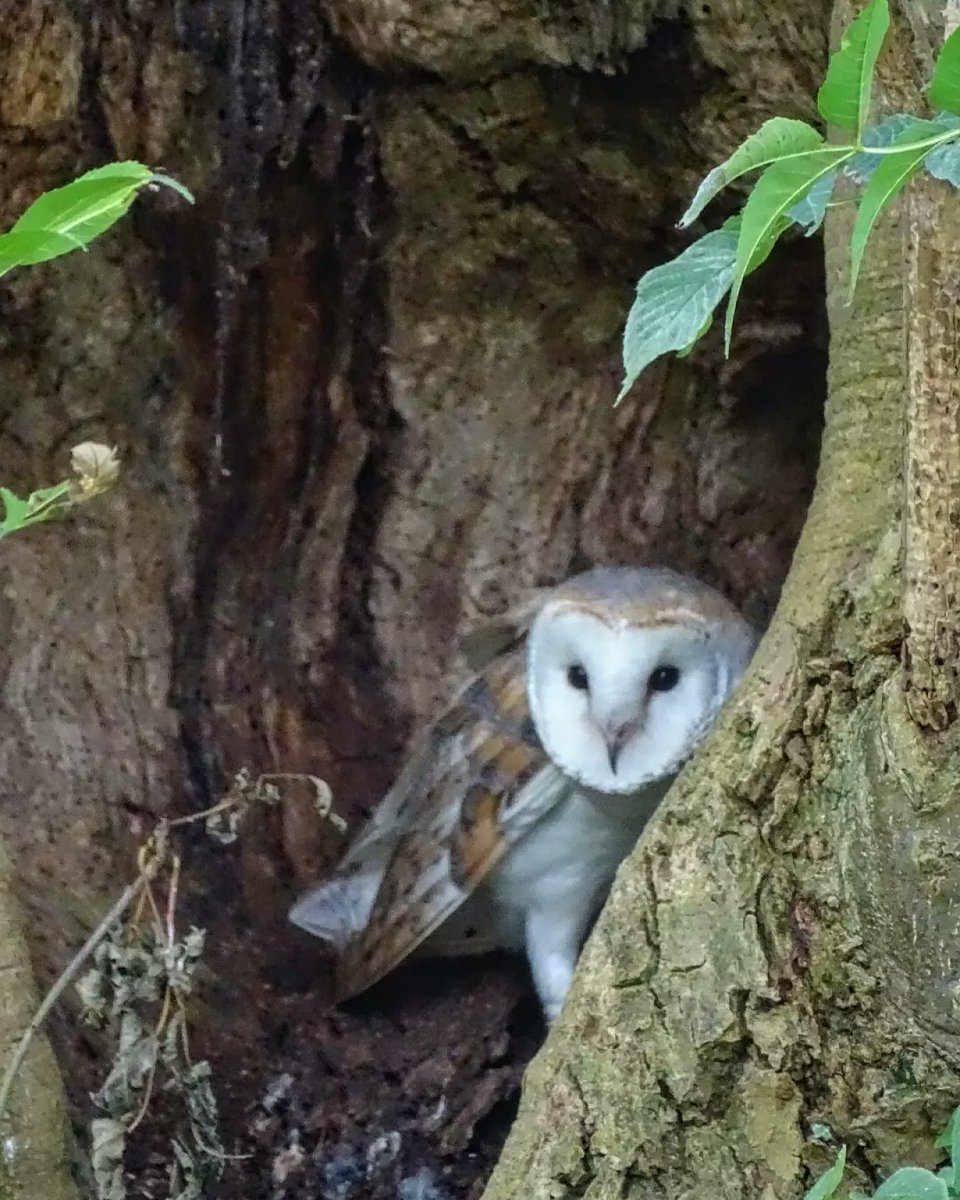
[(618, 706)]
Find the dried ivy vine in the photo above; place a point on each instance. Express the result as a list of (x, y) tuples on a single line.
[(138, 990)]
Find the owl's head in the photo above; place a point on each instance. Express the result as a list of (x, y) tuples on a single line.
[(627, 668)]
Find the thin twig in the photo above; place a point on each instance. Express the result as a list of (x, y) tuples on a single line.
[(184, 1035), (191, 818), (155, 913), (148, 1089), (172, 902)]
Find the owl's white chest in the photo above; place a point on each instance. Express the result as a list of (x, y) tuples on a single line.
[(565, 865)]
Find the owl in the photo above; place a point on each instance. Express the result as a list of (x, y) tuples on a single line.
[(510, 818)]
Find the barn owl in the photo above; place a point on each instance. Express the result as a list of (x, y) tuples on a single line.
[(507, 824)]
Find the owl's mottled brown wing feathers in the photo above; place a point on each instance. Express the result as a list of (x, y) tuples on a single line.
[(461, 806)]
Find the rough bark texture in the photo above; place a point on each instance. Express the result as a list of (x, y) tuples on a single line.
[(931, 580), (37, 1144), (781, 950), (363, 394)]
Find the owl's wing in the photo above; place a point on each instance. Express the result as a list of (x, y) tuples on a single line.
[(501, 634), (479, 782)]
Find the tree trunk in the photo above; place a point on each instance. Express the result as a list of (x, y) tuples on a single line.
[(363, 397), (782, 948)]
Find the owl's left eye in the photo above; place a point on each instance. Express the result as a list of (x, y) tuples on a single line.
[(577, 678)]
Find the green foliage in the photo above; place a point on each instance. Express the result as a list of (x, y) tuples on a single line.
[(884, 134), (96, 469), (810, 211), (907, 1183), (779, 189), (829, 1181), (798, 174), (944, 163), (912, 1183), (70, 217), (774, 140), (906, 157), (944, 88), (844, 99), (673, 301)]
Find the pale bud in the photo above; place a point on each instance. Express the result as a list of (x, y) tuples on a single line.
[(97, 467)]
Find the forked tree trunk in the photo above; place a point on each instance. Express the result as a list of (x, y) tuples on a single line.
[(783, 949)]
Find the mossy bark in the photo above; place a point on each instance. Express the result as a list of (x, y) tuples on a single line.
[(37, 1144), (782, 949)]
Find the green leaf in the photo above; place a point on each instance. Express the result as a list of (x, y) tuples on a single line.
[(886, 182), (41, 505), (15, 510), (673, 302), (945, 1140), (127, 170), (955, 1141), (81, 210), (33, 246), (811, 210), (862, 166), (829, 1181), (943, 91), (687, 350), (764, 218), (912, 1183), (943, 162), (844, 98), (44, 497), (70, 217), (777, 138)]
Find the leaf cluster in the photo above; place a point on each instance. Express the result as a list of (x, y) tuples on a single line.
[(908, 1183), (799, 174)]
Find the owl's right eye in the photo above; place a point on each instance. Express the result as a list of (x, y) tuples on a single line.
[(577, 678)]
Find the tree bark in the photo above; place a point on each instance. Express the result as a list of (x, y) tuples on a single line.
[(363, 398), (782, 949), (38, 1146)]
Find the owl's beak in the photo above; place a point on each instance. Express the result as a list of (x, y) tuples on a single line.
[(616, 740)]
